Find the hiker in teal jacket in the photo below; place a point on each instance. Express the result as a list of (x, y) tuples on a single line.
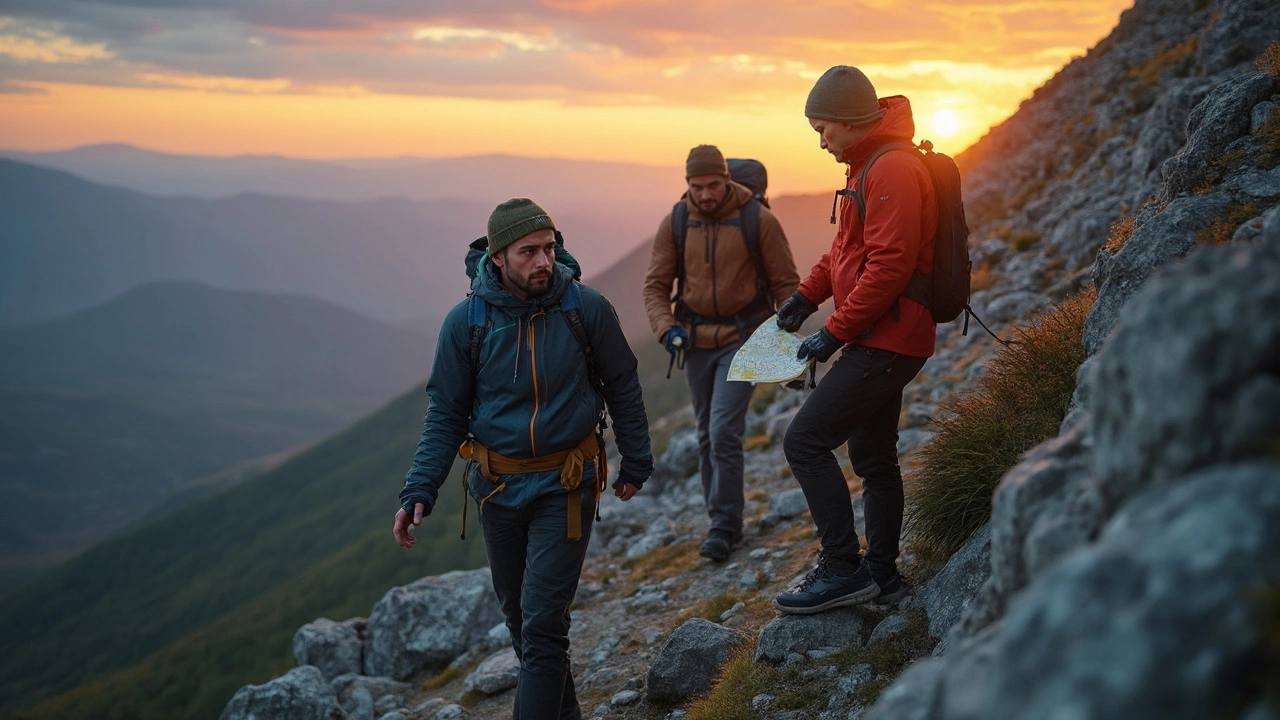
[(525, 414)]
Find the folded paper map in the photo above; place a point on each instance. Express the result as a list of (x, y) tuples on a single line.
[(769, 355)]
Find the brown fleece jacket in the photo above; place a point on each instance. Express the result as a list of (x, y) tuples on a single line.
[(720, 277)]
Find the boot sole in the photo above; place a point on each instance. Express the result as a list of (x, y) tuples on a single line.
[(892, 598), (855, 598), (714, 556)]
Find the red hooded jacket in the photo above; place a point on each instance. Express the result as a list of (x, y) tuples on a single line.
[(869, 265)]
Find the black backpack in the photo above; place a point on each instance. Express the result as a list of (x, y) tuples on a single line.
[(946, 290), (753, 175)]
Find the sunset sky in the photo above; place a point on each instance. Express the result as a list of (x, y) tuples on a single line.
[(633, 80)]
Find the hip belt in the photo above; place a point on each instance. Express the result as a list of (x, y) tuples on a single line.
[(493, 465)]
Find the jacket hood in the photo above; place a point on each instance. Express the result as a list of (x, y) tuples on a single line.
[(737, 196), (487, 283), (897, 125)]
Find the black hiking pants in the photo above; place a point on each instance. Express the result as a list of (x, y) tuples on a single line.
[(535, 575), (856, 404)]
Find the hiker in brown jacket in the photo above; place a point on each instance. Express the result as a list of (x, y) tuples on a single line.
[(704, 311)]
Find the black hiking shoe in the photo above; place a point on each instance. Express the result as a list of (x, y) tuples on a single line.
[(717, 546), (823, 590), (892, 590)]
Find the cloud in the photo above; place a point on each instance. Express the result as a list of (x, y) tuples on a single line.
[(601, 52)]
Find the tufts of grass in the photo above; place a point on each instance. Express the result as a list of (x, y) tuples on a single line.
[(1148, 73), (444, 678), (713, 607), (1121, 231), (1220, 230), (739, 682), (1269, 133), (755, 442), (983, 278), (664, 562), (1024, 240), (980, 433), (1269, 61), (889, 658)]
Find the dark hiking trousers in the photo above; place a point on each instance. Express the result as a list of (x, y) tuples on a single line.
[(535, 574), (856, 403), (720, 406)]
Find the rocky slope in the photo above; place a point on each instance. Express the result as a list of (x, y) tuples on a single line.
[(1130, 566)]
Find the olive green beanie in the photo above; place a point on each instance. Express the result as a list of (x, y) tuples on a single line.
[(845, 95), (514, 219), (705, 160)]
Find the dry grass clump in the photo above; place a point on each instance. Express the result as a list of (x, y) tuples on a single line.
[(1269, 61), (982, 278), (1121, 231), (981, 432), (1150, 71), (1024, 240), (1219, 231), (713, 607)]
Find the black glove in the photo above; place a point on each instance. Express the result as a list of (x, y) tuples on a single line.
[(819, 346), (670, 338), (794, 311)]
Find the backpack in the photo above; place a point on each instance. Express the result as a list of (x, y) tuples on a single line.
[(753, 175), (945, 291), (478, 322)]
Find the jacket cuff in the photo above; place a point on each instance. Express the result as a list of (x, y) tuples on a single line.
[(408, 503)]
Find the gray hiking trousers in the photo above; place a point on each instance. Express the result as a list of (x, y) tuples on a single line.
[(721, 410)]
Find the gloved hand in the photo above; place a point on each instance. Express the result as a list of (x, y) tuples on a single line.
[(819, 346), (675, 339), (794, 311)]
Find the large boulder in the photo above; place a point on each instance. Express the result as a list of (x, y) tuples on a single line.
[(496, 673), (429, 622), (948, 594), (690, 660), (332, 647), (795, 637), (1156, 620), (301, 694)]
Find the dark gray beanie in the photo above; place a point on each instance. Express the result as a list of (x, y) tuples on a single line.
[(845, 95), (514, 219)]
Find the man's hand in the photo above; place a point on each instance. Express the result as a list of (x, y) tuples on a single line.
[(819, 346), (625, 490), (794, 311), (400, 529), (675, 339)]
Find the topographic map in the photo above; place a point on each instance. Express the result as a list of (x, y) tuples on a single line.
[(769, 355)]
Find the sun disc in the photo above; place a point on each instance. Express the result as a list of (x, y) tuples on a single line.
[(945, 122)]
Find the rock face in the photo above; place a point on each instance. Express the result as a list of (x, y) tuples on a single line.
[(498, 672), (690, 659), (949, 593), (795, 637), (333, 648), (429, 622), (302, 694)]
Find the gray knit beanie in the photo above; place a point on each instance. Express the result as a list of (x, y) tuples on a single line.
[(705, 160), (514, 219), (845, 95)]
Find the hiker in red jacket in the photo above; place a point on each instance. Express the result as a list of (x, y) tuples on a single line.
[(885, 336)]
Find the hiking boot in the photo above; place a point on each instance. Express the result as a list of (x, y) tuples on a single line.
[(823, 590), (716, 546), (892, 590)]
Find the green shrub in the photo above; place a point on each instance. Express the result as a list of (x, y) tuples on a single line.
[(981, 432)]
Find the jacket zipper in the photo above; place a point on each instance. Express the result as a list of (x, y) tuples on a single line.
[(533, 362)]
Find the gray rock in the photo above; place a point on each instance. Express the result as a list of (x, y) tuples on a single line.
[(1239, 34), (301, 694), (911, 696), (844, 698), (681, 457), (394, 715), (761, 703), (779, 424), (788, 504), (1012, 306), (333, 648), (690, 659), (1260, 115), (429, 622), (912, 438), (1166, 236), (887, 628), (451, 712), (949, 593), (1221, 118), (1150, 425), (498, 672), (1260, 185), (625, 697), (1164, 127), (830, 631), (1117, 618), (361, 696)]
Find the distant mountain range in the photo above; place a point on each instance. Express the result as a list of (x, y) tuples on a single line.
[(569, 185), (70, 244), (114, 410)]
